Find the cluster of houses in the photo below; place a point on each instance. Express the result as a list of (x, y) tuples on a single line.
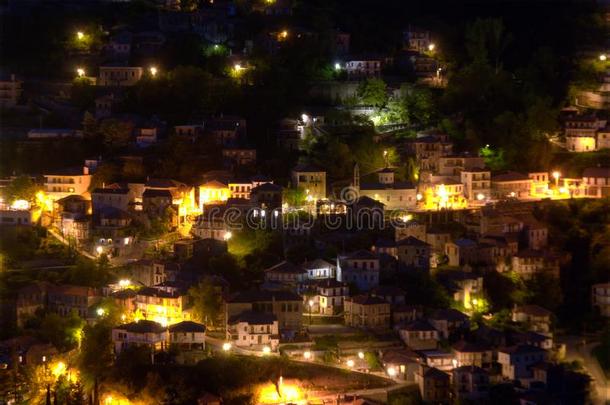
[(585, 132)]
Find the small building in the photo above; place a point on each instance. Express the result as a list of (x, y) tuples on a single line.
[(477, 184), (517, 361), (363, 67), (64, 182), (331, 296), (461, 252), (470, 383), (119, 76), (511, 185), (360, 268), (414, 253), (536, 318), (600, 297), (401, 363), (213, 192), (320, 269), (187, 335), (596, 181), (166, 306), (528, 263), (254, 330), (285, 273), (239, 156), (367, 311), (434, 385), (311, 179), (10, 91), (143, 333), (267, 195), (472, 354), (64, 299), (448, 321), (393, 194), (419, 335)]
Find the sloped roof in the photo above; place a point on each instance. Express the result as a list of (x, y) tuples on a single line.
[(286, 267), (252, 317), (142, 326), (535, 310), (187, 326), (412, 241), (419, 325), (367, 299)]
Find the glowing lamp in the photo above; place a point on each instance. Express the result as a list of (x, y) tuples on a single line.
[(480, 196), (226, 346), (153, 71), (360, 355), (266, 350), (20, 205), (603, 57), (350, 363), (80, 72), (80, 35), (431, 47), (100, 311), (391, 371), (418, 197), (337, 66), (228, 235), (307, 355)]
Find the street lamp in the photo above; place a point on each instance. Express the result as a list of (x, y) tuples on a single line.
[(100, 311), (307, 355), (431, 47), (480, 196), (226, 346), (603, 57), (350, 363), (153, 71), (360, 355), (228, 235), (391, 371), (80, 72), (337, 66), (99, 250), (266, 350), (80, 35)]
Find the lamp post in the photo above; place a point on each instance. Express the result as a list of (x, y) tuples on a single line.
[(556, 176)]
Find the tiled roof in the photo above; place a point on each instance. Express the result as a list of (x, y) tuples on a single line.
[(187, 326), (252, 317)]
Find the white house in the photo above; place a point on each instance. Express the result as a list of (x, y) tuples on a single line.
[(254, 330)]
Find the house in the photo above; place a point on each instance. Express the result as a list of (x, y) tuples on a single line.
[(404, 314), (461, 252), (401, 363), (110, 197), (477, 184), (511, 185), (600, 297), (120, 44), (448, 321), (285, 273), (11, 215), (213, 192), (71, 181), (239, 156), (528, 263), (453, 165), (434, 385), (416, 39), (367, 311), (438, 358), (267, 195), (30, 298), (187, 335), (240, 188), (162, 305), (143, 333), (319, 269), (596, 181), (360, 268), (536, 318), (64, 299), (419, 335), (330, 296), (362, 67), (414, 253), (385, 246), (10, 91), (119, 76), (211, 224), (253, 329), (152, 272), (393, 194), (472, 354), (581, 132), (367, 213), (428, 149), (465, 287), (285, 305), (470, 383), (311, 179), (517, 361)]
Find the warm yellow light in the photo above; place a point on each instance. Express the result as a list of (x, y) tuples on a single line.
[(360, 355), (556, 175), (431, 47), (58, 369), (407, 218), (281, 393), (603, 57), (80, 35), (563, 190), (237, 67), (228, 235), (512, 194), (100, 311), (350, 363), (307, 355), (123, 317), (266, 350), (124, 283), (20, 205), (480, 197), (391, 371), (310, 303), (226, 346), (153, 71), (80, 72), (418, 197), (283, 34), (99, 250)]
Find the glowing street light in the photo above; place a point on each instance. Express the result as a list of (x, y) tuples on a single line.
[(59, 369), (337, 66), (307, 355), (124, 283), (431, 47), (228, 235), (266, 350), (99, 250), (480, 196), (350, 363), (418, 197), (603, 57), (360, 355), (305, 118), (226, 346), (153, 71), (237, 67), (391, 371), (80, 35), (556, 176), (100, 311), (283, 34), (80, 72)]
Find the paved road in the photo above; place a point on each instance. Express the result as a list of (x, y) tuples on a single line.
[(575, 350)]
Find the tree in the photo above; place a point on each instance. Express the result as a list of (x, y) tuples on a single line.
[(95, 358), (21, 188), (116, 134), (373, 92), (486, 41), (207, 302)]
